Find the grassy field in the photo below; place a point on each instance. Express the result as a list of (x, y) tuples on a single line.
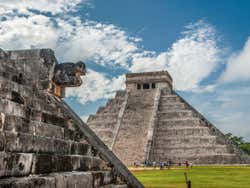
[(200, 176)]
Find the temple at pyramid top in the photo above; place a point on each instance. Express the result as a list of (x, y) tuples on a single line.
[(148, 80)]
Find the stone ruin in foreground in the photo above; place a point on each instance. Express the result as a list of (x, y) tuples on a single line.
[(43, 143), (150, 121)]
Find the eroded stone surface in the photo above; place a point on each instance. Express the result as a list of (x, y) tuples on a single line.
[(40, 144)]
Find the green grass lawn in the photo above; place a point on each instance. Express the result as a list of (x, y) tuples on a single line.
[(200, 176)]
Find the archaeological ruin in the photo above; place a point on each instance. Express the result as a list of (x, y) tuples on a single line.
[(43, 143), (150, 122)]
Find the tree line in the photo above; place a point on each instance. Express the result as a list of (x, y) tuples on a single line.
[(240, 142)]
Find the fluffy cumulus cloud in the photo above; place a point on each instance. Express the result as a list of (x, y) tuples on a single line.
[(238, 66), (189, 60), (96, 86), (47, 6)]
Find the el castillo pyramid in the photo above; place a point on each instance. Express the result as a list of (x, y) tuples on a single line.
[(43, 143), (149, 121)]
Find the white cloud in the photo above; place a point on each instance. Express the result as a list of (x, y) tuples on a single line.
[(106, 44), (51, 6), (190, 59), (96, 86), (238, 66), (24, 32)]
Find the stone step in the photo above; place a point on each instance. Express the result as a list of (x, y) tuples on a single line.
[(104, 133), (187, 140), (16, 109), (13, 91), (15, 164), (189, 150), (105, 122), (63, 180), (6, 82), (112, 107), (20, 142), (177, 122), (223, 158), (104, 125), (45, 163), (24, 164), (183, 131), (12, 108), (172, 106), (169, 98), (102, 117), (48, 130), (180, 114)]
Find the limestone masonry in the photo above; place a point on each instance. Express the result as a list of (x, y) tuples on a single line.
[(43, 143), (150, 121)]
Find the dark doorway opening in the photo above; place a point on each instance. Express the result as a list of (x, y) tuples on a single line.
[(153, 85), (145, 86)]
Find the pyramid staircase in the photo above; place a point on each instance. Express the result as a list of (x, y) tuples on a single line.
[(183, 134), (106, 119), (43, 143)]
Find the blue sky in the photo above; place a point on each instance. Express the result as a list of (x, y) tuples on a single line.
[(203, 44)]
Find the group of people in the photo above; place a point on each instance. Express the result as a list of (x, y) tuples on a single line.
[(162, 165)]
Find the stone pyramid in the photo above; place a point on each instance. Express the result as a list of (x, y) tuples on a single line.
[(43, 143), (150, 121)]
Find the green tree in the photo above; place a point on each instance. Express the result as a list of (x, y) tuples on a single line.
[(239, 141)]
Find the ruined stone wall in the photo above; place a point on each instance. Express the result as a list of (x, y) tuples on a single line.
[(40, 144)]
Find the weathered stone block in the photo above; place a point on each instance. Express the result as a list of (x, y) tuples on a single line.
[(15, 164), (62, 146), (43, 144), (18, 124), (101, 178), (29, 182), (43, 163), (18, 142), (42, 129), (74, 179), (63, 163), (78, 148)]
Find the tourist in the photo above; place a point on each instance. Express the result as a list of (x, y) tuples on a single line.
[(161, 165), (154, 164), (169, 164), (179, 164)]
